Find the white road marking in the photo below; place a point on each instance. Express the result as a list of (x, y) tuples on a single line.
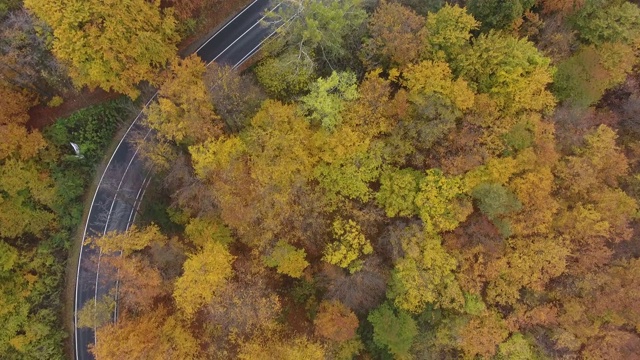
[(145, 187), (225, 25), (243, 34)]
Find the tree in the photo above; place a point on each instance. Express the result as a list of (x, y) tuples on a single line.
[(425, 276), (447, 33), (202, 231), (495, 201), (512, 71), (482, 335), (602, 21), (318, 28), (128, 242), (349, 246), (287, 259), (516, 348), (236, 97), (529, 263), (335, 321), (393, 330), (398, 190), (496, 14), (395, 39), (583, 78), (185, 9), (271, 345), (563, 7), (428, 79), (183, 112), (440, 201), (204, 274), (326, 99), (26, 61), (105, 42), (154, 335), (285, 76)]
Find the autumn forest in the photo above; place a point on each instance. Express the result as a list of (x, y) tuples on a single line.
[(393, 179)]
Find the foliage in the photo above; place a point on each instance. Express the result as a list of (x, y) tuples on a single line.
[(511, 70), (205, 272), (287, 259), (601, 21), (335, 321), (425, 276), (349, 246), (395, 36), (326, 98), (394, 330), (496, 14), (447, 33), (183, 112), (440, 201), (105, 42), (583, 78), (398, 190)]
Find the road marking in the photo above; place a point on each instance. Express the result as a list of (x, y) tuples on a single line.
[(112, 157), (84, 236), (106, 225), (225, 25), (243, 34), (134, 211), (254, 50)]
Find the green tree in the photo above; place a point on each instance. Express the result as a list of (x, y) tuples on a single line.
[(326, 99), (393, 330), (349, 246), (105, 42), (499, 15), (584, 77), (447, 33), (318, 28), (512, 71), (602, 21), (495, 201), (287, 259), (398, 190), (285, 76)]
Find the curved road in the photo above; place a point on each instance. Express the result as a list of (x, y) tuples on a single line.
[(124, 180)]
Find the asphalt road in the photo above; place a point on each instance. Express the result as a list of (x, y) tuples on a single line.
[(124, 180)]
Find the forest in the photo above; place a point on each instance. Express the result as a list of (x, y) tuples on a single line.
[(392, 179)]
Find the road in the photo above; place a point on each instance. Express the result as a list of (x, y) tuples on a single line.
[(122, 184)]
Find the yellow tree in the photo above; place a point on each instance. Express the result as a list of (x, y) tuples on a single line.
[(183, 112), (204, 273), (109, 43), (128, 242), (287, 259), (154, 335), (425, 276), (349, 247)]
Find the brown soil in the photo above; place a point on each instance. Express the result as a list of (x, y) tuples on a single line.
[(41, 115)]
